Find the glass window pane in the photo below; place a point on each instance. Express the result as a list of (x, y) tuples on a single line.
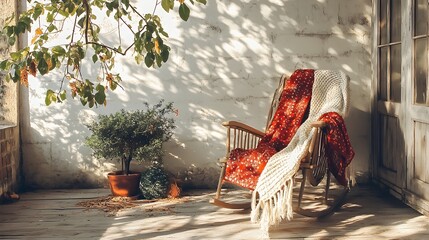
[(395, 73), (420, 70), (383, 21), (395, 21), (421, 17), (383, 73)]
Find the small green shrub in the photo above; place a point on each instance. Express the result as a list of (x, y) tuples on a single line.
[(154, 183), (126, 135)]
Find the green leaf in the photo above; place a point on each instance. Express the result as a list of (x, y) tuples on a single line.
[(138, 44), (53, 63), (158, 60), (157, 20), (83, 101), (146, 36), (15, 56), (7, 78), (38, 55), (10, 30), (63, 95), (52, 27), (3, 64), (48, 98), (100, 96), (48, 7), (58, 50), (166, 5), (70, 7), (63, 13), (11, 40), (15, 75), (99, 3), (42, 66), (20, 28), (161, 30), (37, 11), (50, 17), (184, 12), (149, 46), (27, 21), (44, 36), (148, 60), (165, 54), (171, 4), (80, 10), (138, 58), (126, 3), (81, 52), (99, 88), (113, 85), (91, 103), (89, 83), (109, 6), (95, 58), (81, 21), (151, 26), (202, 1)]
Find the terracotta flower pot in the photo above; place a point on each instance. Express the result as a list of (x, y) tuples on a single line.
[(124, 185)]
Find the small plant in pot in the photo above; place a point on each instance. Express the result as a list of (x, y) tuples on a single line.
[(129, 135)]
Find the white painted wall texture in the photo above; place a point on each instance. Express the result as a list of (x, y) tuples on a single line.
[(224, 65)]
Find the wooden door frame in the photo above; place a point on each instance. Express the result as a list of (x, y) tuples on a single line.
[(395, 190), (412, 199), (406, 122), (374, 93)]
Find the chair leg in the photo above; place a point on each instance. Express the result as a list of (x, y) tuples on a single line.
[(328, 183), (219, 186), (336, 203), (301, 190), (216, 200)]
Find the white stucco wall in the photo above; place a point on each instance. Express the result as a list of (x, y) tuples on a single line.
[(224, 65)]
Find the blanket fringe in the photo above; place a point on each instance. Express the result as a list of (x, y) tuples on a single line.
[(271, 211)]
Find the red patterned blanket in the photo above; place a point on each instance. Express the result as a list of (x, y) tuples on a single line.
[(245, 166)]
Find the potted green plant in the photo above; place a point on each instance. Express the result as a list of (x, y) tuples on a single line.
[(129, 135)]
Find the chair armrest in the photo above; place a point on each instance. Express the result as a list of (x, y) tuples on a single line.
[(244, 127), (319, 124), (316, 143)]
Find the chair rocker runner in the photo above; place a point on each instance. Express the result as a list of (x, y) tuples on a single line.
[(313, 166)]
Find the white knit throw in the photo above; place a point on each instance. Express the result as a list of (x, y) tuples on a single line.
[(272, 197)]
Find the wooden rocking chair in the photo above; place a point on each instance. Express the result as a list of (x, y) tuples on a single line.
[(313, 166)]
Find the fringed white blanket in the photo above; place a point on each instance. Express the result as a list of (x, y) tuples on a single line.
[(272, 197)]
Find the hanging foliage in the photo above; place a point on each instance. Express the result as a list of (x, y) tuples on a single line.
[(40, 58)]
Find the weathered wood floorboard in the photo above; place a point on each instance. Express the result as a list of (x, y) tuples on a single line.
[(53, 214)]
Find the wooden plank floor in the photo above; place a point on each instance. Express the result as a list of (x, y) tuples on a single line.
[(54, 214)]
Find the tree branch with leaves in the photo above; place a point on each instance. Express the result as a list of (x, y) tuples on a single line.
[(148, 44)]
